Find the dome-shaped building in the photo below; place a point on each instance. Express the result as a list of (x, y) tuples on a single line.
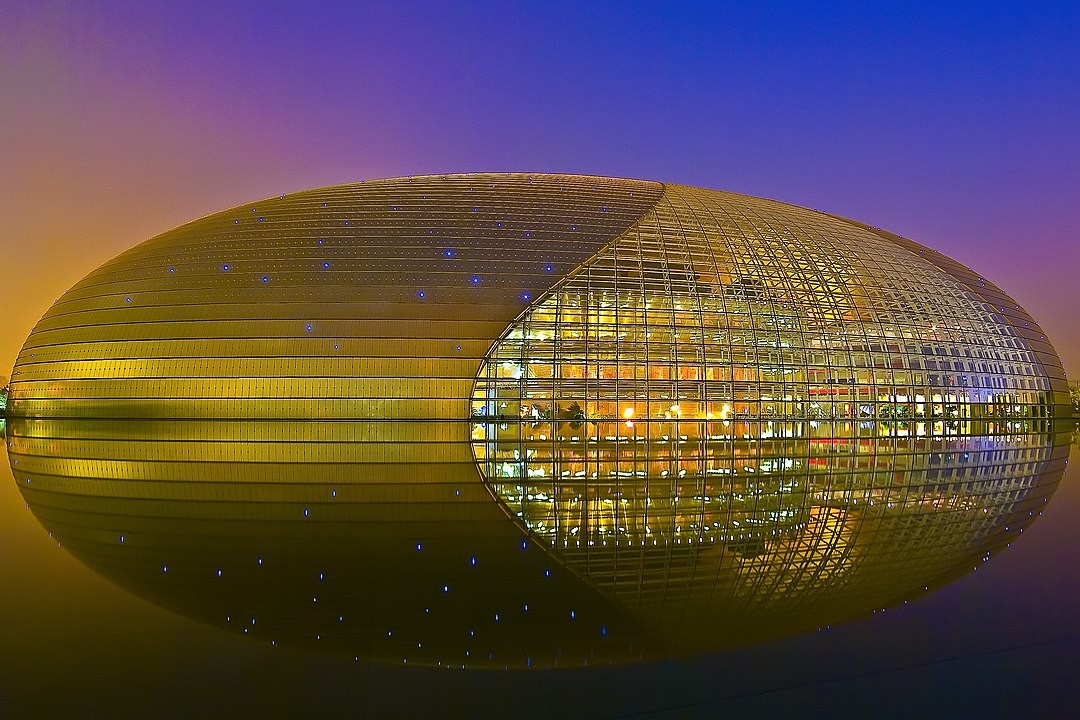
[(614, 367), (412, 298)]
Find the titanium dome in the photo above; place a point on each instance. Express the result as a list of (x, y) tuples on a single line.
[(387, 299)]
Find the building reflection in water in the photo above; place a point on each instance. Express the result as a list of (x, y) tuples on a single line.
[(581, 540)]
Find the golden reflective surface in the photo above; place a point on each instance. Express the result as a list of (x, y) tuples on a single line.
[(372, 300), (290, 533)]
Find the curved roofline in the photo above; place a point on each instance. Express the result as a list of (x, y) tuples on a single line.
[(354, 183)]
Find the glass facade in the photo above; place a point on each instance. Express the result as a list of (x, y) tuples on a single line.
[(670, 388)]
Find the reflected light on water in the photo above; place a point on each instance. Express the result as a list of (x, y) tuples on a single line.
[(290, 533)]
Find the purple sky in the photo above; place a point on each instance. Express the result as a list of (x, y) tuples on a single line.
[(957, 127)]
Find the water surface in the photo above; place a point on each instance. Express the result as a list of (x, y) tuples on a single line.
[(297, 563)]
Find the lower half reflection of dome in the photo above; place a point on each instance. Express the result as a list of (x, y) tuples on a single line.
[(301, 533)]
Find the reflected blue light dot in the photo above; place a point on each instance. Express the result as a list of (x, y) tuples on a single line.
[(475, 280), (265, 279), (548, 268), (305, 512), (225, 268), (421, 294), (308, 328)]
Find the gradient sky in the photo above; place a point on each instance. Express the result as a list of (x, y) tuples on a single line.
[(957, 126)]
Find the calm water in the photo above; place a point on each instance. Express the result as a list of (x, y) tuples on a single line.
[(278, 599)]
